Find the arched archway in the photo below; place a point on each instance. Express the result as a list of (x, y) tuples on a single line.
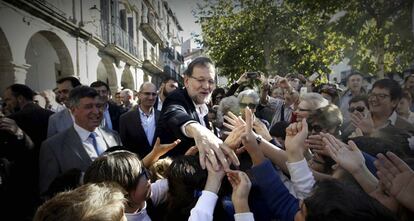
[(49, 59), (6, 68), (106, 73), (127, 80)]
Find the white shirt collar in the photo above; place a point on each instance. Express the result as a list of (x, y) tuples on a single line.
[(393, 118), (143, 113), (202, 109), (83, 134)]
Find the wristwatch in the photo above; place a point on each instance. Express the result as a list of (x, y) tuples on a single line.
[(258, 139), (20, 135)]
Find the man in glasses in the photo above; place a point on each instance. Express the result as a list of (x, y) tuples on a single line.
[(137, 127), (357, 104), (383, 101), (184, 116)]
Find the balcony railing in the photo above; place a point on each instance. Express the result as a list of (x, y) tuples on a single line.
[(114, 34)]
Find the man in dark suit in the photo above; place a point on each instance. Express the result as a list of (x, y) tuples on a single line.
[(138, 126), (112, 112), (184, 116), (80, 144), (31, 123)]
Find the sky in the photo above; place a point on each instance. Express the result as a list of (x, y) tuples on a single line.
[(182, 9)]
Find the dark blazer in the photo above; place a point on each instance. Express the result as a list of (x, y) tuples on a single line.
[(132, 133), (115, 113), (177, 109), (65, 151), (33, 120)]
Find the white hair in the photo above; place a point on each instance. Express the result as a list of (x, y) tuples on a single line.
[(315, 100)]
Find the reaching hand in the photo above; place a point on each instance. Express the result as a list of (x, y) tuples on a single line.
[(397, 178), (191, 151), (211, 147), (261, 129), (316, 144), (233, 139), (356, 133), (242, 79), (161, 149), (296, 134), (365, 123), (234, 121), (249, 139), (348, 157), (214, 178), (241, 185)]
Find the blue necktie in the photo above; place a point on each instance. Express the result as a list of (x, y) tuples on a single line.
[(98, 149)]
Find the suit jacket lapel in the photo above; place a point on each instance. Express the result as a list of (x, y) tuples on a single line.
[(75, 144)]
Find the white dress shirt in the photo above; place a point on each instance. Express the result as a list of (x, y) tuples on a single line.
[(87, 141), (148, 124)]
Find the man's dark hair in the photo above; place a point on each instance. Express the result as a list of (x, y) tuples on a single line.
[(391, 85), (22, 90), (200, 61), (334, 200), (352, 74), (73, 80), (363, 98), (80, 92), (169, 79), (100, 84)]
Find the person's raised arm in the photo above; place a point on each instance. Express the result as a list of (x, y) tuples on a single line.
[(158, 151), (351, 159), (241, 185), (397, 177)]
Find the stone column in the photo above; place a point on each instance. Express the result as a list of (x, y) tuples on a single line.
[(20, 71)]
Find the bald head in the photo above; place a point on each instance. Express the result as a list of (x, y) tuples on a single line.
[(147, 95)]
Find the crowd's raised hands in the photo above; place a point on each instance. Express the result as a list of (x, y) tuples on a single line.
[(397, 178), (296, 135), (363, 122)]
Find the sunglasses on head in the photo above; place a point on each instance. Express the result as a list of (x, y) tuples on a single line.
[(359, 109), (250, 105)]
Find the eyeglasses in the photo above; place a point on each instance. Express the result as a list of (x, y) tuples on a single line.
[(202, 81), (149, 93), (314, 127), (359, 109), (250, 105), (378, 96)]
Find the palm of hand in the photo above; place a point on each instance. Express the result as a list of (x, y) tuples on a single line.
[(403, 186), (350, 160)]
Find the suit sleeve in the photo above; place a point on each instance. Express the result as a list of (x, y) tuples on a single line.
[(122, 129), (282, 204), (48, 166), (175, 116), (51, 127)]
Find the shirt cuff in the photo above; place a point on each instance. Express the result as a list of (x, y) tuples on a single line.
[(243, 216), (207, 201), (184, 125), (299, 170)]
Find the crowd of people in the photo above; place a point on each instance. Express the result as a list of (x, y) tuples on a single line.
[(290, 149)]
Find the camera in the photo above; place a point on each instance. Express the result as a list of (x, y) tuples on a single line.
[(252, 74)]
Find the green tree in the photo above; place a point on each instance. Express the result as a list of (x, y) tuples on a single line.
[(306, 36)]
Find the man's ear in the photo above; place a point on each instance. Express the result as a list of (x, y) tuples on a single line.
[(20, 99), (186, 79)]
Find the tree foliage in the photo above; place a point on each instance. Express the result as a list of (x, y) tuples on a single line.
[(304, 36)]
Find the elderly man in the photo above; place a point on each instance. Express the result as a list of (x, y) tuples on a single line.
[(137, 127), (62, 120), (184, 116), (80, 144)]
